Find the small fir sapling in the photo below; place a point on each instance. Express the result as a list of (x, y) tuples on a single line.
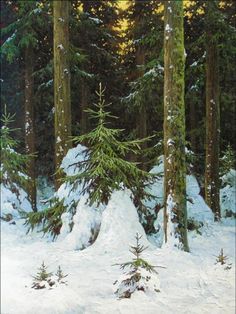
[(141, 275), (60, 276), (43, 278), (222, 260)]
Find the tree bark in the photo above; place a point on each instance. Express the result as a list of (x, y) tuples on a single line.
[(29, 123), (141, 117), (212, 114), (84, 106), (62, 97), (175, 209)]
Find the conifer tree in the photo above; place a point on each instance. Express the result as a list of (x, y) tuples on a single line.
[(22, 42), (105, 168), (139, 275), (13, 164), (212, 183), (143, 71), (62, 101), (175, 211), (42, 278)]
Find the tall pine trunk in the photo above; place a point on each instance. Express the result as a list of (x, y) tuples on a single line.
[(29, 123), (141, 117), (175, 210), (84, 106), (62, 98), (212, 113)]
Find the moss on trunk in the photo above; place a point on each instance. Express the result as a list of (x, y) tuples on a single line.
[(212, 112), (62, 98), (175, 213)]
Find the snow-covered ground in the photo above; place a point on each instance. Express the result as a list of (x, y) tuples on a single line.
[(190, 283)]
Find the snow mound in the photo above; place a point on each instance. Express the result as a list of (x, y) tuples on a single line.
[(196, 206), (86, 223), (148, 283), (119, 225), (228, 193), (12, 202), (74, 155)]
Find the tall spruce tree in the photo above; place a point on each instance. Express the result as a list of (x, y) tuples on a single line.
[(212, 183), (95, 36), (175, 211), (20, 46), (142, 59), (30, 121), (62, 98)]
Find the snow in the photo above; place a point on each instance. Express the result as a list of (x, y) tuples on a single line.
[(95, 20), (195, 63), (190, 282), (12, 202), (86, 221), (168, 29), (228, 193)]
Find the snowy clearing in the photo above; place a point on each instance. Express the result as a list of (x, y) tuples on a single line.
[(190, 283)]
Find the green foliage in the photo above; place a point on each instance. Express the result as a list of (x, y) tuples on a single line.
[(194, 225), (42, 274), (222, 260), (138, 262), (227, 161), (60, 276), (135, 279), (49, 220), (105, 169), (13, 164), (43, 278)]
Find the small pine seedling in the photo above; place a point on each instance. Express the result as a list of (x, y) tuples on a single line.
[(42, 278), (221, 259), (60, 276), (139, 274)]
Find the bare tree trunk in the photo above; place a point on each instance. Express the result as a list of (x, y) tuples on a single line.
[(212, 115), (175, 210), (29, 123), (141, 116), (193, 126), (62, 98), (84, 106), (141, 119)]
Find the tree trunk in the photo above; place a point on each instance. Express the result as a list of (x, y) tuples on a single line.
[(193, 126), (62, 98), (175, 209), (84, 106), (141, 117), (212, 114), (29, 123)]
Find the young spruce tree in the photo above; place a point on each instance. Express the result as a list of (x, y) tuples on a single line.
[(106, 169), (138, 278), (103, 170)]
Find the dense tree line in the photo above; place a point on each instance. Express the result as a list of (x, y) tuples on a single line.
[(171, 65)]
